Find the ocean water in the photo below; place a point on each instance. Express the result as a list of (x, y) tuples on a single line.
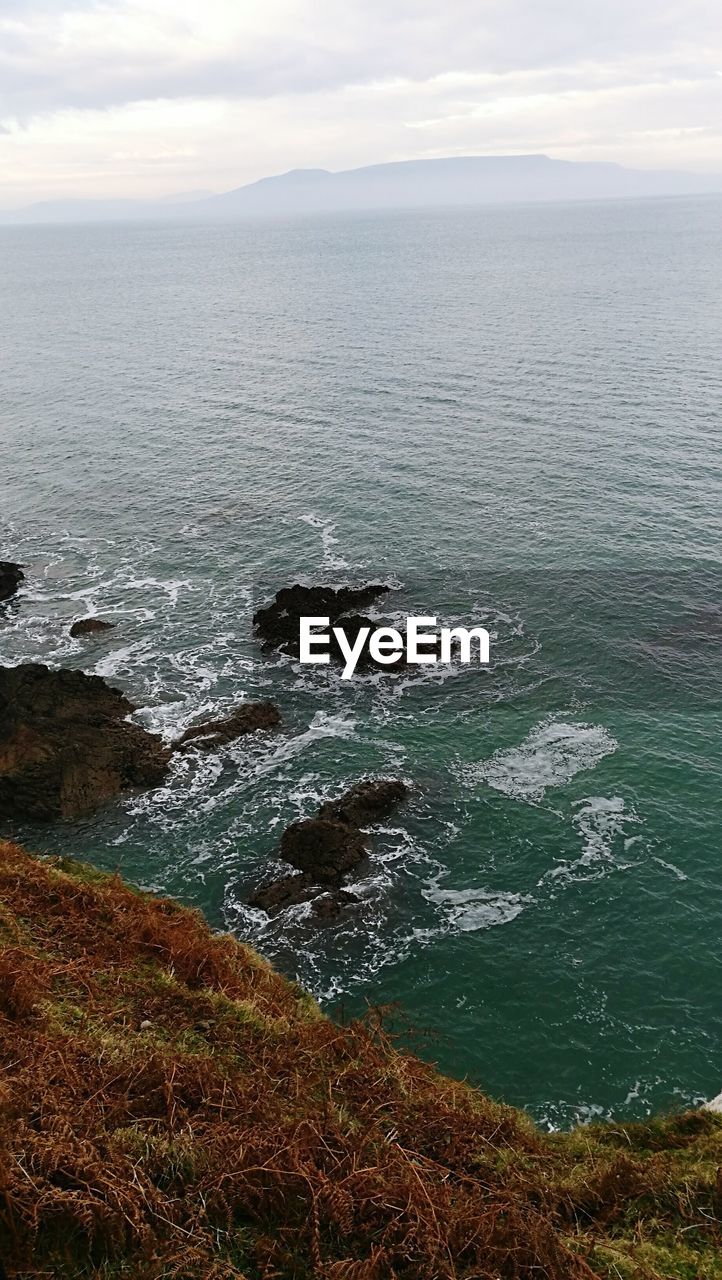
[(512, 416)]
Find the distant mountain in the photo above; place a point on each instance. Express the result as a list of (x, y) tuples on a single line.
[(465, 180)]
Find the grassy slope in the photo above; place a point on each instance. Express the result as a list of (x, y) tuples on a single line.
[(242, 1134)]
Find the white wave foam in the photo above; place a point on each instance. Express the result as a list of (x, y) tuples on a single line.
[(322, 726), (468, 910), (122, 658), (603, 824), (171, 587), (327, 529), (669, 866), (550, 756)]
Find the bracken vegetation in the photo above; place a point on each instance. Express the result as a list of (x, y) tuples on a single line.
[(170, 1107)]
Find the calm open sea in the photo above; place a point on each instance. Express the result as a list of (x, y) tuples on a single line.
[(515, 416)]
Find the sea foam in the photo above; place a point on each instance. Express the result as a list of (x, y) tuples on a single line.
[(550, 756)]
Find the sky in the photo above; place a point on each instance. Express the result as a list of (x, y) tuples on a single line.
[(148, 98)]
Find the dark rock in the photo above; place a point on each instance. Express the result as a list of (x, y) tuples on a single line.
[(11, 575), (366, 802), (248, 718), (351, 625), (329, 906), (66, 745), (323, 849), (287, 891), (88, 626), (277, 624)]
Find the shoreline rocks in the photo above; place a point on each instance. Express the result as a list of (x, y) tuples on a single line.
[(286, 891), (325, 848), (366, 802), (89, 627), (11, 577), (330, 905), (322, 848), (248, 718), (277, 624), (66, 746)]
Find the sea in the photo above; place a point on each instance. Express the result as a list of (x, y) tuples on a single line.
[(512, 416)]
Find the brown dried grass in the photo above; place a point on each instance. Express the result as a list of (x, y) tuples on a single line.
[(243, 1135)]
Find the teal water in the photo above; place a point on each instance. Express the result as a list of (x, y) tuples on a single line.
[(514, 416)]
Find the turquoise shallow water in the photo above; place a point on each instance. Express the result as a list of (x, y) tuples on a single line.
[(513, 415)]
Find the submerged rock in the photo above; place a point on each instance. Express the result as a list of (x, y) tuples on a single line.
[(248, 718), (324, 849), (366, 802), (11, 575), (88, 626), (66, 746)]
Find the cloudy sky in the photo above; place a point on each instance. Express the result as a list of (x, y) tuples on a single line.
[(152, 97)]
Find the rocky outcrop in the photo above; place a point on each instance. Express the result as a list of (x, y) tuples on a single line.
[(89, 626), (11, 576), (327, 903), (248, 718), (66, 746), (324, 849), (352, 624), (330, 905), (277, 624), (286, 891), (366, 802)]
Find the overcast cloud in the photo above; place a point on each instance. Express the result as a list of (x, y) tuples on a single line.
[(149, 97)]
